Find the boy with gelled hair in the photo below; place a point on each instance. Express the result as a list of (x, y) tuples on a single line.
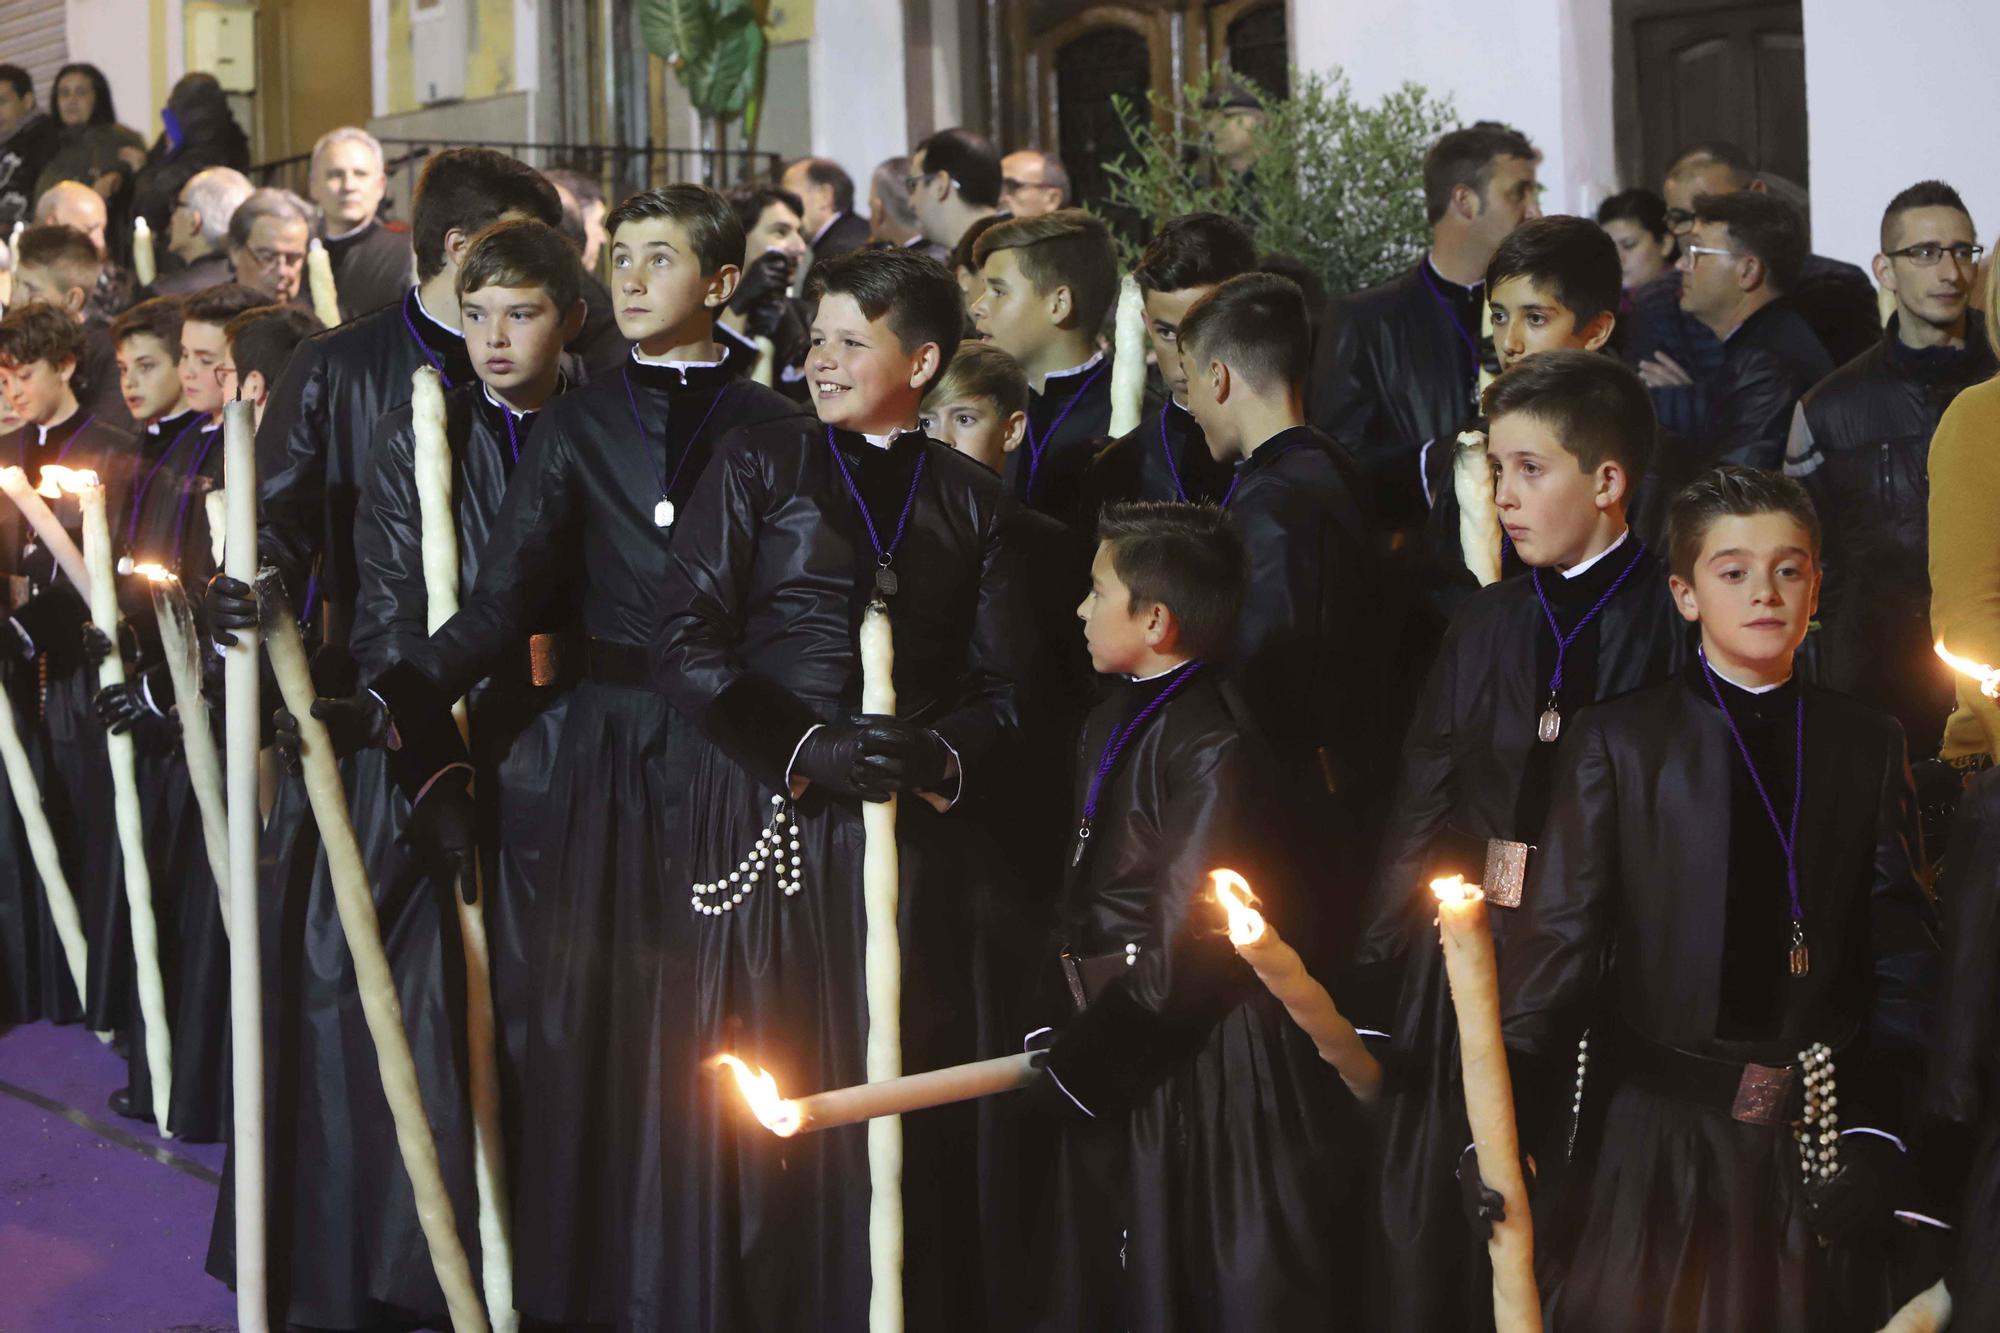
[(1755, 999), (792, 531), (1570, 431), (979, 406)]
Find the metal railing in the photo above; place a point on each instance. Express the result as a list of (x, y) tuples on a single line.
[(621, 169)]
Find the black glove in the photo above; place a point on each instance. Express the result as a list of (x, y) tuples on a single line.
[(356, 721), (443, 834), (760, 296), (1483, 1206), (1856, 1200), (832, 756), (902, 757), (96, 644), (120, 707), (229, 605)]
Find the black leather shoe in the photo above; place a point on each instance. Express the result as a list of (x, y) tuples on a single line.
[(120, 1103)]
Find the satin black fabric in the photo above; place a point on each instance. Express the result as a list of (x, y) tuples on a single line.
[(1392, 371), (1472, 769), (759, 609), (1619, 926), (1062, 480), (372, 267), (1223, 1159), (1164, 457), (312, 446)]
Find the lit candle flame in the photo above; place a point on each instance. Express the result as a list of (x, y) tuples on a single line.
[(1246, 923), (760, 1092), (157, 573), (57, 479), (1988, 677), (1455, 890)]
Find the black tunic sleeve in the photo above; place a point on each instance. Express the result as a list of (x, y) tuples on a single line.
[(531, 552), (1003, 643), (1187, 975), (391, 606), (292, 445), (1750, 414)]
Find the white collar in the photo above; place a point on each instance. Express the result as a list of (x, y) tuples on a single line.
[(673, 364), (914, 241), (1095, 357), (1141, 680), (1747, 689), (1464, 287), (424, 310), (826, 227), (331, 237), (500, 402), (884, 441), (1576, 570)]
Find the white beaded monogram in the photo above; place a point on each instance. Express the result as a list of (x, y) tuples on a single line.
[(775, 856)]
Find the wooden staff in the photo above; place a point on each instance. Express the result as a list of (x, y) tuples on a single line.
[(1128, 363), (143, 266), (243, 739), (868, 1101), (1278, 965), (431, 462), (882, 969), (182, 645), (1489, 1099), (319, 281), (97, 560), (373, 978)]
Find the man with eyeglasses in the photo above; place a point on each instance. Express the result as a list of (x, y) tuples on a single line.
[(1736, 265), (1860, 443), (954, 181), (1032, 183), (198, 229), (268, 235)]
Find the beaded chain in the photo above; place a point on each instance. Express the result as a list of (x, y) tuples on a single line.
[(1818, 1134), (775, 855), (1576, 1103)]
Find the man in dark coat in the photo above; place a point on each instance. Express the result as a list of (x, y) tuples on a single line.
[(28, 139), (1398, 367), (826, 191), (371, 259), (1860, 443), (195, 257)]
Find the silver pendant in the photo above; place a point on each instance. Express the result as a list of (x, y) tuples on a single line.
[(663, 514), (1549, 726), (124, 564), (1801, 957), (885, 580)]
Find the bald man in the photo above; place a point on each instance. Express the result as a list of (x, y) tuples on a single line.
[(1032, 183), (74, 204)]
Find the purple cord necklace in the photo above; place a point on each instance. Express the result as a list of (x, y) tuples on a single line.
[(145, 486), (1549, 726), (885, 577), (664, 512), (1037, 446), (188, 489), (1801, 959), (435, 361), (1114, 747)]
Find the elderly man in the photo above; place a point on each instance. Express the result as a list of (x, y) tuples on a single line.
[(198, 230), (74, 204), (267, 243), (372, 263), (827, 192), (1032, 183)]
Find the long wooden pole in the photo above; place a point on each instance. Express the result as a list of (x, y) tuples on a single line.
[(181, 645), (242, 737), (882, 969)]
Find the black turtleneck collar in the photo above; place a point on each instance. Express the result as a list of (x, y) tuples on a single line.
[(448, 344), (335, 244), (1270, 451), (1941, 363)]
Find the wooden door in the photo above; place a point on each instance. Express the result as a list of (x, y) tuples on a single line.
[(1690, 70), (314, 71)]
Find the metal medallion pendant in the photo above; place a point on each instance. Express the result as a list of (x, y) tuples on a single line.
[(885, 580), (1801, 957), (663, 514), (1550, 725)]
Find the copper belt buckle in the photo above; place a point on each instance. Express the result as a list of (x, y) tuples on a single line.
[(1761, 1094), (543, 667), (1506, 871)]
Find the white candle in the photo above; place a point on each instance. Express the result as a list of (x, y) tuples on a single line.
[(373, 979), (143, 267), (882, 970), (48, 528), (97, 560), (431, 462), (42, 848), (181, 646), (319, 280), (1929, 1311), (243, 739), (868, 1101), (1284, 974), (1489, 1099), (1128, 359), (1478, 513)]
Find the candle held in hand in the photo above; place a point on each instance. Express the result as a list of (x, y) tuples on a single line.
[(871, 1102), (1988, 678), (143, 266)]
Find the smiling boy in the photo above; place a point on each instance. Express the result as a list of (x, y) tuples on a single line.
[(790, 533), (1726, 897)]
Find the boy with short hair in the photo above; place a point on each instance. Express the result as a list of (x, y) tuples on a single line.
[(1570, 431), (261, 342), (59, 265), (147, 339), (1050, 282), (1185, 1194), (205, 365), (979, 405), (793, 529), (1733, 985), (1190, 257)]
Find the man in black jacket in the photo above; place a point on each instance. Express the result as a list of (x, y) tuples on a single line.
[(27, 141), (1737, 265), (1859, 443), (827, 192), (1400, 365), (372, 262)]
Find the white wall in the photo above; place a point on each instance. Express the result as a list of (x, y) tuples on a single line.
[(101, 33), (1543, 66), (859, 95), (1895, 98)]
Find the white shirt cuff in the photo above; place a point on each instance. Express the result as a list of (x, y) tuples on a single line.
[(792, 763)]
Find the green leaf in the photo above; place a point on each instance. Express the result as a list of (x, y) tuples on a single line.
[(716, 46), (677, 30)]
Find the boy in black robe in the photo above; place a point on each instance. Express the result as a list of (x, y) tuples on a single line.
[(1165, 457), (1726, 899), (790, 533), (1050, 281), (1204, 1179), (1569, 433), (581, 541)]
